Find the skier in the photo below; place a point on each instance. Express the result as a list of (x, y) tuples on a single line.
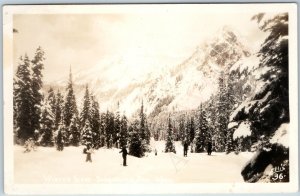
[(88, 151), (185, 149), (209, 148), (155, 152), (124, 155)]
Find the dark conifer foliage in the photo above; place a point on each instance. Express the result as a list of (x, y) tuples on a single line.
[(70, 107), (85, 111), (59, 104), (135, 141), (95, 121), (47, 120), (268, 108), (23, 101), (170, 147), (60, 139), (74, 132), (87, 134), (202, 133), (37, 84), (124, 131)]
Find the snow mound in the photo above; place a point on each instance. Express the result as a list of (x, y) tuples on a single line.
[(243, 130), (281, 135)]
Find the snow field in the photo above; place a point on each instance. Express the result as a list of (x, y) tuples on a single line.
[(46, 165)]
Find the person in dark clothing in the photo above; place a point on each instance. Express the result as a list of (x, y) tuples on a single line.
[(88, 152), (209, 148), (185, 149), (124, 155), (60, 142)]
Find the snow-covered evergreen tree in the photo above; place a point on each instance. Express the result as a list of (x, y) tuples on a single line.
[(135, 140), (191, 128), (181, 129), (211, 114), (36, 85), (95, 121), (60, 137), (170, 147), (266, 112), (202, 133), (70, 107), (232, 99), (222, 115), (85, 111), (59, 104), (87, 134), (102, 129), (144, 130), (23, 101), (51, 99), (46, 124), (74, 132), (109, 128), (117, 127), (123, 131)]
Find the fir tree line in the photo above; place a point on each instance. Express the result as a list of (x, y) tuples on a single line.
[(209, 124), (51, 119)]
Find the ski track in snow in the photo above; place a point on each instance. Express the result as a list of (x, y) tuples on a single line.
[(46, 165)]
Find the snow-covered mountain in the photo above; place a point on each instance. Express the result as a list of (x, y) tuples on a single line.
[(162, 88)]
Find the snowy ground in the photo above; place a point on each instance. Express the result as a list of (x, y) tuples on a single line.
[(46, 165)]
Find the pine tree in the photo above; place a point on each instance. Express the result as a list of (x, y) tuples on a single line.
[(148, 133), (123, 131), (202, 134), (268, 108), (37, 84), (231, 101), (85, 111), (46, 124), (191, 129), (109, 129), (186, 135), (135, 141), (60, 137), (170, 147), (59, 104), (211, 113), (102, 129), (87, 135), (23, 101), (74, 132), (142, 123), (70, 108), (117, 127), (181, 130), (95, 122), (222, 115), (51, 99)]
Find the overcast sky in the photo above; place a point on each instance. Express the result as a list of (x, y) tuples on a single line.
[(87, 40)]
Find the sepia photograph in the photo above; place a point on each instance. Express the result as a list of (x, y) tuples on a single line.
[(165, 98)]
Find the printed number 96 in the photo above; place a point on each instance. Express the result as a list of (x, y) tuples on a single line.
[(277, 176)]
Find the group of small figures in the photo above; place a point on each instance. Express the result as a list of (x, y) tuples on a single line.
[(88, 150), (186, 146)]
